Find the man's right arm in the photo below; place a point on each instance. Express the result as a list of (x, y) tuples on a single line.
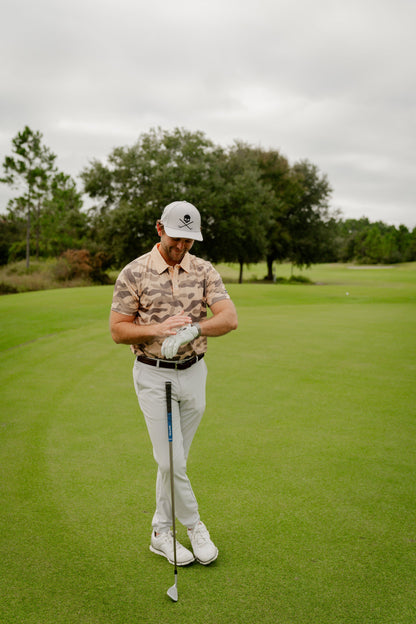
[(124, 329)]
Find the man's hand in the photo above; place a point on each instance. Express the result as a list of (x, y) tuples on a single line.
[(184, 335)]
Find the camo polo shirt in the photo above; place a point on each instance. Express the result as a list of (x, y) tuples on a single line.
[(151, 290)]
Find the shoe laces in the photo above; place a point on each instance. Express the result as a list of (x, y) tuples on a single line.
[(200, 534), (167, 536)]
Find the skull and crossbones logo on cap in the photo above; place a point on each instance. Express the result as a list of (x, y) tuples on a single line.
[(185, 222)]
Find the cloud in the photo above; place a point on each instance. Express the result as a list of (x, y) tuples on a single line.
[(329, 81)]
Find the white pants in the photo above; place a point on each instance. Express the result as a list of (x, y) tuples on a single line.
[(188, 405)]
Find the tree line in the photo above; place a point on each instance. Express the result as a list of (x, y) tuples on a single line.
[(254, 204)]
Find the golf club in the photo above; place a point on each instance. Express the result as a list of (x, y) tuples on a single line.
[(172, 591)]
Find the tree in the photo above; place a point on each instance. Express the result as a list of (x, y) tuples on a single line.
[(135, 184), (411, 249), (277, 174), (301, 228), (11, 231), (241, 209), (403, 240), (250, 200), (63, 224), (28, 170), (359, 240), (308, 214)]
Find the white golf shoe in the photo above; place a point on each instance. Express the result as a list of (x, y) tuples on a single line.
[(204, 549), (162, 544)]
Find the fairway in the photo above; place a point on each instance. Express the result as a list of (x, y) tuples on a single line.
[(304, 464)]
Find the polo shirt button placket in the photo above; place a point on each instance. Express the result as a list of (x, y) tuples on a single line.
[(174, 275)]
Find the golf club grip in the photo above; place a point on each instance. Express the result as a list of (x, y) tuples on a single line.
[(168, 386)]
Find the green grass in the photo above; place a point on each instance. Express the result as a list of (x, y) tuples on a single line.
[(304, 464)]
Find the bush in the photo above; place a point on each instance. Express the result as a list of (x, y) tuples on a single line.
[(299, 279), (81, 264), (7, 289)]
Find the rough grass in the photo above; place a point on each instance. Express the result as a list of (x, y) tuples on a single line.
[(41, 275), (304, 463)]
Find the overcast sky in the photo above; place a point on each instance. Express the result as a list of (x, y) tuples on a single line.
[(331, 81)]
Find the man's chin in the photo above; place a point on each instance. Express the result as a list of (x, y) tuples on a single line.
[(177, 257)]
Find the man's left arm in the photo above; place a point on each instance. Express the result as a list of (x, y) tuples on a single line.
[(223, 320)]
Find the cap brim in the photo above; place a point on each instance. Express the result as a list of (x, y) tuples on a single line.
[(183, 234)]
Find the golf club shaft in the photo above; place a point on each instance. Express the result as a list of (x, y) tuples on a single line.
[(168, 386)]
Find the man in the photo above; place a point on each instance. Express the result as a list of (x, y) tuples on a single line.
[(159, 307)]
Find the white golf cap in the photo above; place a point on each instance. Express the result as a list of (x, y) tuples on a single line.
[(182, 220)]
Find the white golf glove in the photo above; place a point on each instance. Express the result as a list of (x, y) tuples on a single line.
[(184, 335)]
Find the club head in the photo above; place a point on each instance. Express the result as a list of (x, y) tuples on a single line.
[(173, 593)]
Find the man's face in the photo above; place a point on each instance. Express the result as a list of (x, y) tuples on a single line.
[(173, 249)]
